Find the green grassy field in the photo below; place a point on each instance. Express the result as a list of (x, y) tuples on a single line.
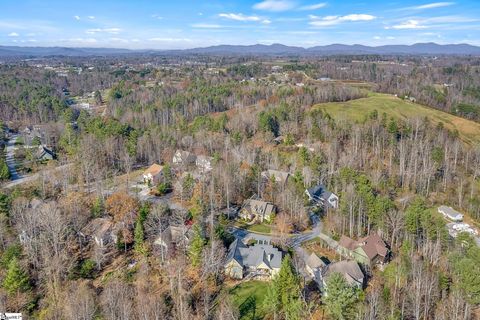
[(248, 297), (259, 228), (357, 110)]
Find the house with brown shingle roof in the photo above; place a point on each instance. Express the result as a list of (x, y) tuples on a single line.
[(370, 250), (153, 174)]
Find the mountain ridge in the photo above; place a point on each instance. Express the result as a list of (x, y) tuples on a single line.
[(278, 49)]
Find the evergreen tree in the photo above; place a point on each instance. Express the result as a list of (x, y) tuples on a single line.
[(340, 297), (284, 293), (4, 172), (196, 246), (16, 278)]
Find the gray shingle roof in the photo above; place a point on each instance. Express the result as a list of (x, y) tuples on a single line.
[(254, 255)]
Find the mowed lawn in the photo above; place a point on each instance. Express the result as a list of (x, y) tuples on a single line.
[(248, 297), (357, 110)]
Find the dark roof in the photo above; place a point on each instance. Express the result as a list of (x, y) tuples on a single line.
[(319, 191)]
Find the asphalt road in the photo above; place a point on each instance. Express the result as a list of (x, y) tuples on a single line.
[(10, 158)]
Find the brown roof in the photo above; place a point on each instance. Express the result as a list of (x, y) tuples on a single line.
[(348, 243), (348, 269), (373, 245), (154, 169)]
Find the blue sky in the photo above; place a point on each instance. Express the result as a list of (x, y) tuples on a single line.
[(159, 24)]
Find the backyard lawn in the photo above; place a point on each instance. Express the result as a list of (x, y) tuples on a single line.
[(259, 228), (248, 297)]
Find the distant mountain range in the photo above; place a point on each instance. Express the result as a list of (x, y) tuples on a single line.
[(257, 49)]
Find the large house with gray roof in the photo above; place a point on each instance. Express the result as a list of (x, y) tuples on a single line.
[(261, 259)]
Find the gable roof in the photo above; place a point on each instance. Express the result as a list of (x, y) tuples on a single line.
[(154, 169), (43, 152), (98, 227), (372, 245), (254, 256), (347, 243), (279, 176), (450, 212), (184, 156), (319, 191), (259, 207), (349, 269), (315, 262), (174, 234)]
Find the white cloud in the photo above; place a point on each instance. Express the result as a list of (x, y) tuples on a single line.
[(313, 6), (13, 34), (410, 24), (433, 5), (275, 5), (266, 21), (206, 26), (334, 20), (76, 17), (239, 17), (390, 38), (377, 37), (104, 30), (156, 16), (91, 17)]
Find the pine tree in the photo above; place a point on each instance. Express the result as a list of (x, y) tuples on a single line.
[(16, 278), (196, 246), (284, 293), (340, 297)]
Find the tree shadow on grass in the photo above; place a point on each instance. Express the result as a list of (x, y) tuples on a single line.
[(248, 309)]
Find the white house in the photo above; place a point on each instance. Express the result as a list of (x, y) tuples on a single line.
[(450, 213), (204, 163)]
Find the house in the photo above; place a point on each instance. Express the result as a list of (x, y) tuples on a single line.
[(279, 176), (261, 259), (349, 269), (258, 210), (450, 213), (370, 250), (183, 158), (314, 265), (44, 154), (320, 195), (204, 163), (153, 174), (174, 237), (100, 230)]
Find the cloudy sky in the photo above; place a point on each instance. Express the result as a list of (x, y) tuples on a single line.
[(159, 24)]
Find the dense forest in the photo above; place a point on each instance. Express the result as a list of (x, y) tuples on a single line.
[(390, 172)]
